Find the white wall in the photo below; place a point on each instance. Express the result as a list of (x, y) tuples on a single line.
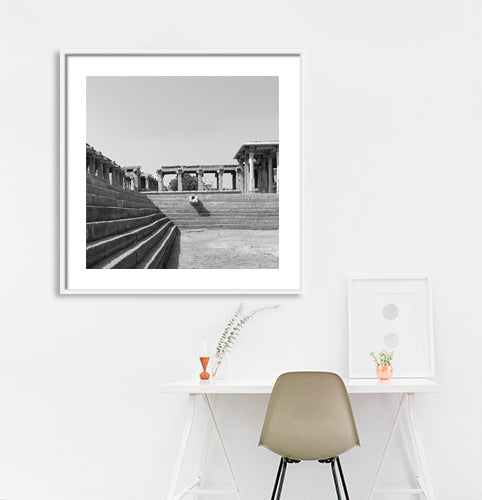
[(392, 183)]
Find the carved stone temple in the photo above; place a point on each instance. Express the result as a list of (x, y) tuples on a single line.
[(256, 171)]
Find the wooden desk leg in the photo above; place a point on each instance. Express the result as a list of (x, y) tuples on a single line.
[(392, 431), (182, 448), (220, 439), (424, 481)]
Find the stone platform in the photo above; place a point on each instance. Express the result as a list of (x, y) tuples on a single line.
[(219, 210), (225, 249)]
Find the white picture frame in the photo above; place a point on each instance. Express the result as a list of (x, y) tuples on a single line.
[(75, 66), (395, 313)]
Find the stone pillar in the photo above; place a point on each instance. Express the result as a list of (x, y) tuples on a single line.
[(251, 172), (100, 168), (233, 180), (107, 172), (220, 179), (91, 164), (179, 179), (240, 178), (122, 178), (270, 174), (137, 179), (262, 176), (277, 170), (103, 169), (160, 181), (200, 183)]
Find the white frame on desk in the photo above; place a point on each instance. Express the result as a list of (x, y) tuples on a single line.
[(209, 390), (358, 359), (75, 67)]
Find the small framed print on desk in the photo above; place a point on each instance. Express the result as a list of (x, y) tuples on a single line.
[(394, 313)]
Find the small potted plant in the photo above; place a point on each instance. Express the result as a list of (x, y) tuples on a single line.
[(383, 360)]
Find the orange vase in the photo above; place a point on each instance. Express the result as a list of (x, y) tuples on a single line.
[(384, 372), (204, 361)]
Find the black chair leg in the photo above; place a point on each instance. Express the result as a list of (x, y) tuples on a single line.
[(335, 479), (345, 489), (282, 478), (275, 489)]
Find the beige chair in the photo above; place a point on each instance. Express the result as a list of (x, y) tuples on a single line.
[(309, 417)]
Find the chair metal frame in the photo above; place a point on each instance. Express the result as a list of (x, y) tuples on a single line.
[(280, 477)]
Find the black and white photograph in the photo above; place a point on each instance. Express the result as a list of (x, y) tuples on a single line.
[(182, 172), (183, 155)]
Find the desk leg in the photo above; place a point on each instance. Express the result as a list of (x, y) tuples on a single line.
[(392, 431), (205, 449), (421, 469), (220, 439), (182, 448), (425, 481)]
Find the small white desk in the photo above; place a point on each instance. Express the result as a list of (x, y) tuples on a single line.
[(207, 390)]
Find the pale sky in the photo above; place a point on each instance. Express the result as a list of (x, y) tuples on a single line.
[(154, 121)]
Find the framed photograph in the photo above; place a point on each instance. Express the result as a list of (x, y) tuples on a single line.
[(170, 178), (393, 313)]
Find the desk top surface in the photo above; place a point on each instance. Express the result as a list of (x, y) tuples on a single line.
[(265, 386)]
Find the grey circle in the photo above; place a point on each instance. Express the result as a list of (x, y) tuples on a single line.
[(391, 340), (390, 311)]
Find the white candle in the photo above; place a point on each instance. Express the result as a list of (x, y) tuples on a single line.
[(205, 348)]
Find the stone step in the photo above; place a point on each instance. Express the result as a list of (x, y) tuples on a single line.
[(103, 248), (227, 216), (225, 219), (130, 257), (228, 199), (110, 213), (93, 181), (101, 229), (213, 196), (252, 225), (225, 207), (118, 194), (211, 207), (236, 213), (104, 201), (235, 210), (159, 254)]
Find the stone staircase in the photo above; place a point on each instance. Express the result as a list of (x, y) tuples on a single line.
[(216, 210), (125, 230)]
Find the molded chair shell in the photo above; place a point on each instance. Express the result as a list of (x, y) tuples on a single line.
[(309, 417)]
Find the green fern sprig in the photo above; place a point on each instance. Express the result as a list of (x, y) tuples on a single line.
[(231, 333)]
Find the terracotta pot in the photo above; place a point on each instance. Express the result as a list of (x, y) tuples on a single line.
[(384, 372)]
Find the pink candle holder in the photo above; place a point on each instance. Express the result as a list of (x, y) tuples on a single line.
[(204, 375)]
